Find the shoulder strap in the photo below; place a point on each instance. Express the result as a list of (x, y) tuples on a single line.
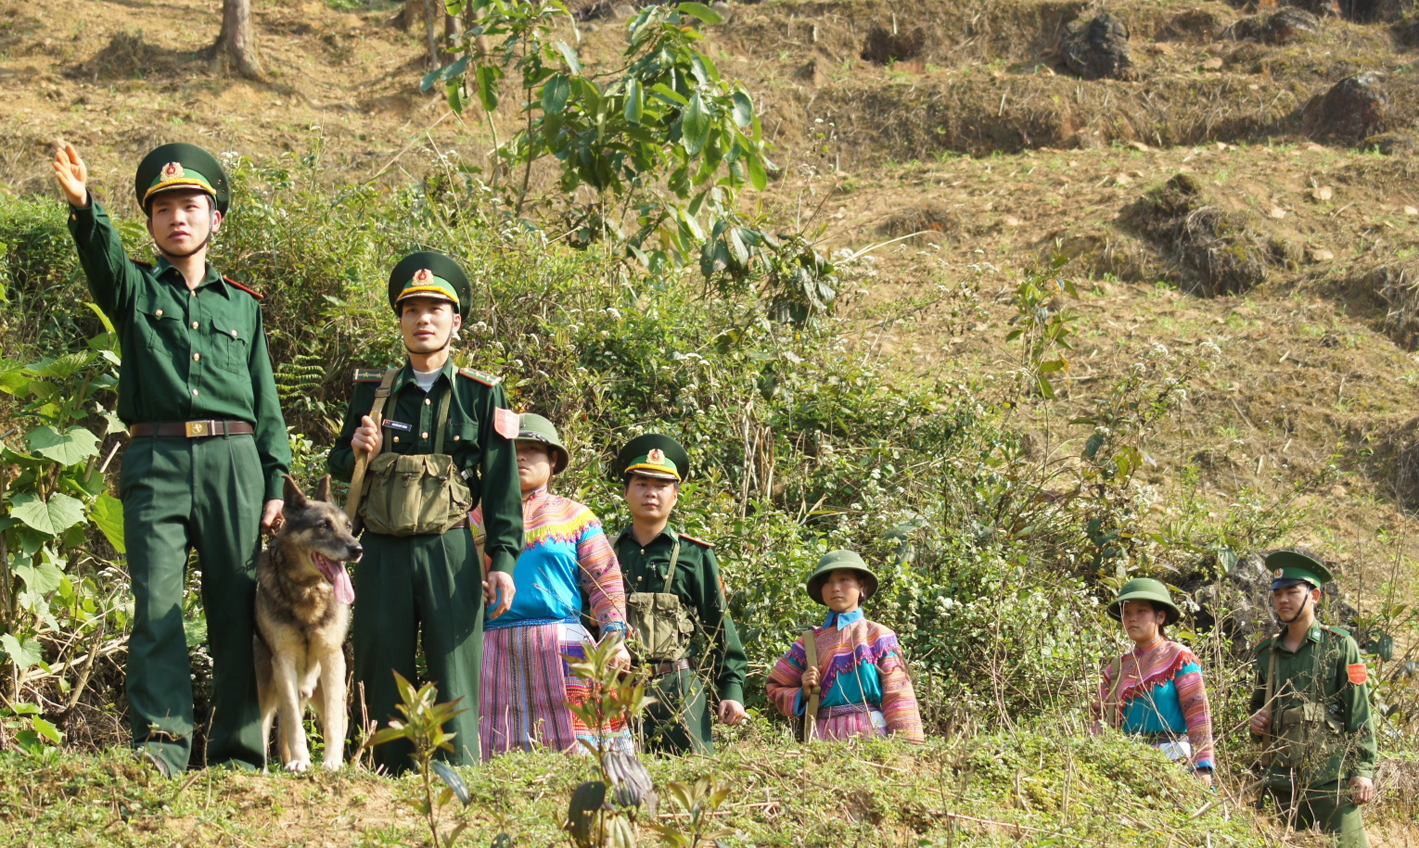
[(1112, 707), (670, 572), (442, 419), (357, 478)]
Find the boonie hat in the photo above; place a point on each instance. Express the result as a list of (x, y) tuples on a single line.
[(832, 561), (653, 455), (181, 165), (532, 427), (429, 274), (1289, 567), (1145, 589)]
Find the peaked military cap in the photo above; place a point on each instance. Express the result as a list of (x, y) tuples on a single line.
[(832, 561), (532, 427), (1146, 589), (655, 456), (1291, 567), (181, 165), (429, 274)]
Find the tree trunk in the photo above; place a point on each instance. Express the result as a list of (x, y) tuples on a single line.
[(235, 49)]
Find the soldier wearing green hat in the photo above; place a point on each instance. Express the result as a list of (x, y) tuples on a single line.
[(675, 604), (1311, 708), (203, 468), (438, 441)]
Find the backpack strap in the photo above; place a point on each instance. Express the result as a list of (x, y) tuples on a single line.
[(670, 572), (1270, 693), (442, 422), (357, 478)]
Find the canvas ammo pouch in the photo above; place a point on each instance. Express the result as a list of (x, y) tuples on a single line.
[(416, 494), (660, 625)]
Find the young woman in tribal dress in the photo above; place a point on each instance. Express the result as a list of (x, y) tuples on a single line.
[(526, 683), (865, 688), (1155, 690)]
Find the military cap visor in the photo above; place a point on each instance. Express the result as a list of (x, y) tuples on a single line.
[(832, 561), (1146, 589), (1291, 567), (655, 456), (429, 274), (181, 166), (535, 428)]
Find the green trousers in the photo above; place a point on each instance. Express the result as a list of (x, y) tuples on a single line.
[(1326, 807), (408, 587), (179, 495), (679, 721)]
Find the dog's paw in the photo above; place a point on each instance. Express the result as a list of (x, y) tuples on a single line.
[(298, 766), (331, 764)]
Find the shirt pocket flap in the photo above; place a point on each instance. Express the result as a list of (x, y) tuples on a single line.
[(229, 329)]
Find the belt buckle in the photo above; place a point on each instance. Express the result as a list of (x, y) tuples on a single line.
[(197, 429)]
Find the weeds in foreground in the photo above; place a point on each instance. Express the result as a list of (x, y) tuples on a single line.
[(423, 728)]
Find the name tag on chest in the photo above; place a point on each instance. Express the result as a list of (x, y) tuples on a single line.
[(398, 425)]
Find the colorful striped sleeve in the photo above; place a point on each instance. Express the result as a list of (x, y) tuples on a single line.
[(786, 679), (1192, 696), (899, 705), (600, 574)]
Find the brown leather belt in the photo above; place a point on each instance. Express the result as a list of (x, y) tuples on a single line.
[(192, 429), (461, 525), (663, 668)]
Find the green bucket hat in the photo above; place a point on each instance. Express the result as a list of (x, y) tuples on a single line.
[(1289, 567), (181, 165), (832, 561), (655, 456), (1145, 589), (532, 427), (429, 274)]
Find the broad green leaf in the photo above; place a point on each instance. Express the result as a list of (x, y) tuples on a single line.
[(701, 11), (487, 77), (196, 631), (758, 178), (103, 319), (555, 94), (52, 518), (694, 126), (669, 94), (635, 101), (453, 7), (47, 730), (71, 447), (429, 79), (569, 54), (737, 248), (42, 578), (743, 111), (62, 367), (453, 93), (107, 515), (25, 654)]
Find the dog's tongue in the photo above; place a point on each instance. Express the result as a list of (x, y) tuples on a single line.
[(339, 579)]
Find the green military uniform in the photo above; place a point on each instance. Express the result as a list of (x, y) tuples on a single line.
[(432, 582), (680, 720), (208, 445), (1320, 689)]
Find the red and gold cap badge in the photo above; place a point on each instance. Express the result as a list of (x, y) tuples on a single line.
[(423, 275), (656, 456), (173, 169)]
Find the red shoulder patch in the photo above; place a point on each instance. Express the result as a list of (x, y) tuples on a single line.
[(251, 291), (1358, 673), (506, 423)]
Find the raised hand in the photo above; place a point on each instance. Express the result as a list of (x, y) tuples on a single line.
[(72, 175)]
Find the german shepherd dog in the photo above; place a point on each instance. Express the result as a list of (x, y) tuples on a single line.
[(303, 597)]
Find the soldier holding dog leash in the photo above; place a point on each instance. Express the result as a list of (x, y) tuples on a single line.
[(208, 448)]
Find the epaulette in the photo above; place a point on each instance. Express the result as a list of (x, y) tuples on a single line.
[(1265, 643), (143, 264), (368, 375), (696, 541), (1336, 630), (251, 291), (485, 379)]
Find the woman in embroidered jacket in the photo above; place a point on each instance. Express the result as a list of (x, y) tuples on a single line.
[(860, 673), (526, 683), (1155, 690)]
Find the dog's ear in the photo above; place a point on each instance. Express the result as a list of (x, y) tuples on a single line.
[(295, 498), (322, 492)]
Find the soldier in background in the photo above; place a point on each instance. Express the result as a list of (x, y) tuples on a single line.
[(1311, 709), (674, 604)]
